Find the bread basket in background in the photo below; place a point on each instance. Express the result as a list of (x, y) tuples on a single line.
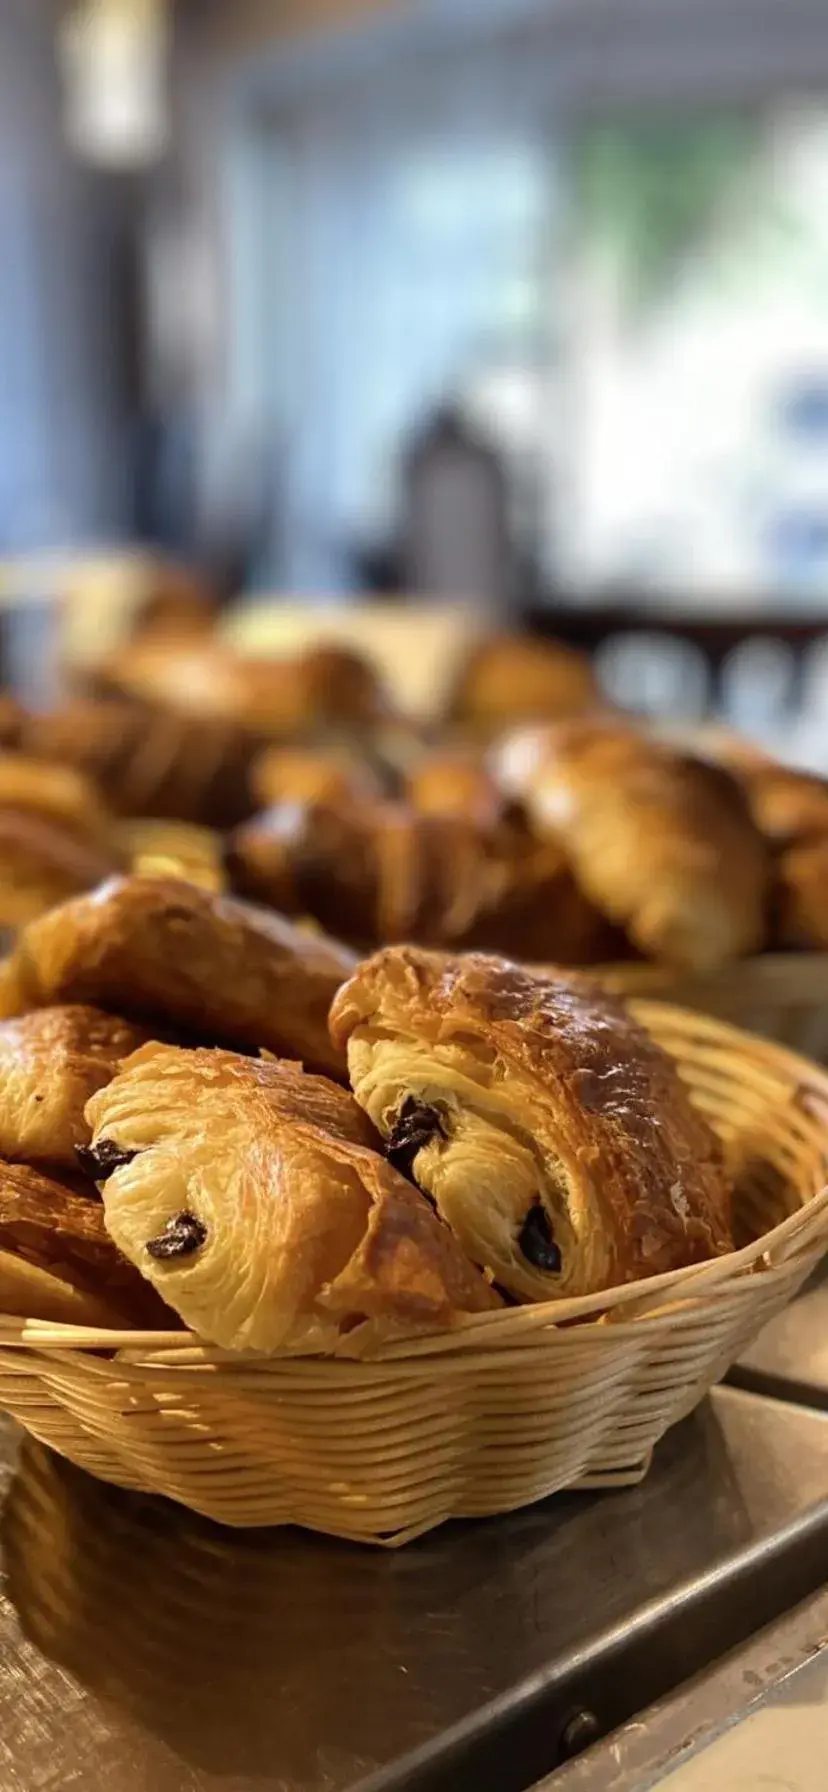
[(504, 1409), (782, 996)]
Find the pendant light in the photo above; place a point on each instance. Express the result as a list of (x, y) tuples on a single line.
[(114, 57)]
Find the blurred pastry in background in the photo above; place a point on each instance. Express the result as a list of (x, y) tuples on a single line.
[(381, 872), (509, 679), (13, 718), (256, 1201), (375, 870), (51, 1063), (313, 775), (273, 699), (456, 781), (800, 904), (663, 844), (58, 1262), (787, 804), (165, 951), (150, 763), (554, 1136), (55, 792), (43, 861)]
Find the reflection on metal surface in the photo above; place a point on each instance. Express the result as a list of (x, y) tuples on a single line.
[(790, 1357), (149, 1651)]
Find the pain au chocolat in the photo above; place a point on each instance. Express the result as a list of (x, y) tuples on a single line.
[(554, 1136), (253, 1198), (162, 949)]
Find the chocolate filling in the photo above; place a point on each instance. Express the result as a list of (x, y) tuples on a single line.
[(102, 1160), (536, 1242), (416, 1124), (182, 1235)]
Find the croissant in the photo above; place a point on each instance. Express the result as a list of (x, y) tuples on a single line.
[(150, 762), (51, 1062), (250, 1195), (663, 844), (165, 949), (554, 1136), (512, 678), (58, 1263), (378, 871)]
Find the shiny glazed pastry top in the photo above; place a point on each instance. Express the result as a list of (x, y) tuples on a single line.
[(252, 1196), (160, 948), (553, 1134)]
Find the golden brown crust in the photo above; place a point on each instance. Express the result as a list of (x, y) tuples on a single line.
[(251, 1196), (51, 1063), (57, 1261), (164, 949), (546, 1091), (662, 843), (513, 678)]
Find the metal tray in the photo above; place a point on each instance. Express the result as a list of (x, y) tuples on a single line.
[(786, 1665), (147, 1650), (789, 1360)]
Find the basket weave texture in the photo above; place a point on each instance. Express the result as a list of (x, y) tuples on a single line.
[(504, 1409), (781, 995)]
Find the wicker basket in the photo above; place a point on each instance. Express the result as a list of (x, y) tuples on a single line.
[(501, 1411), (781, 995)]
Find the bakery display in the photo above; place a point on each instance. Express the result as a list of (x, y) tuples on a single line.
[(664, 844), (164, 950), (554, 1137), (51, 1062), (253, 1198)]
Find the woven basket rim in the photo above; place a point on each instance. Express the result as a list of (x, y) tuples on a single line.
[(801, 1232)]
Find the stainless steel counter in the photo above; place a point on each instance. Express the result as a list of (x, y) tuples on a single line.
[(145, 1650)]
